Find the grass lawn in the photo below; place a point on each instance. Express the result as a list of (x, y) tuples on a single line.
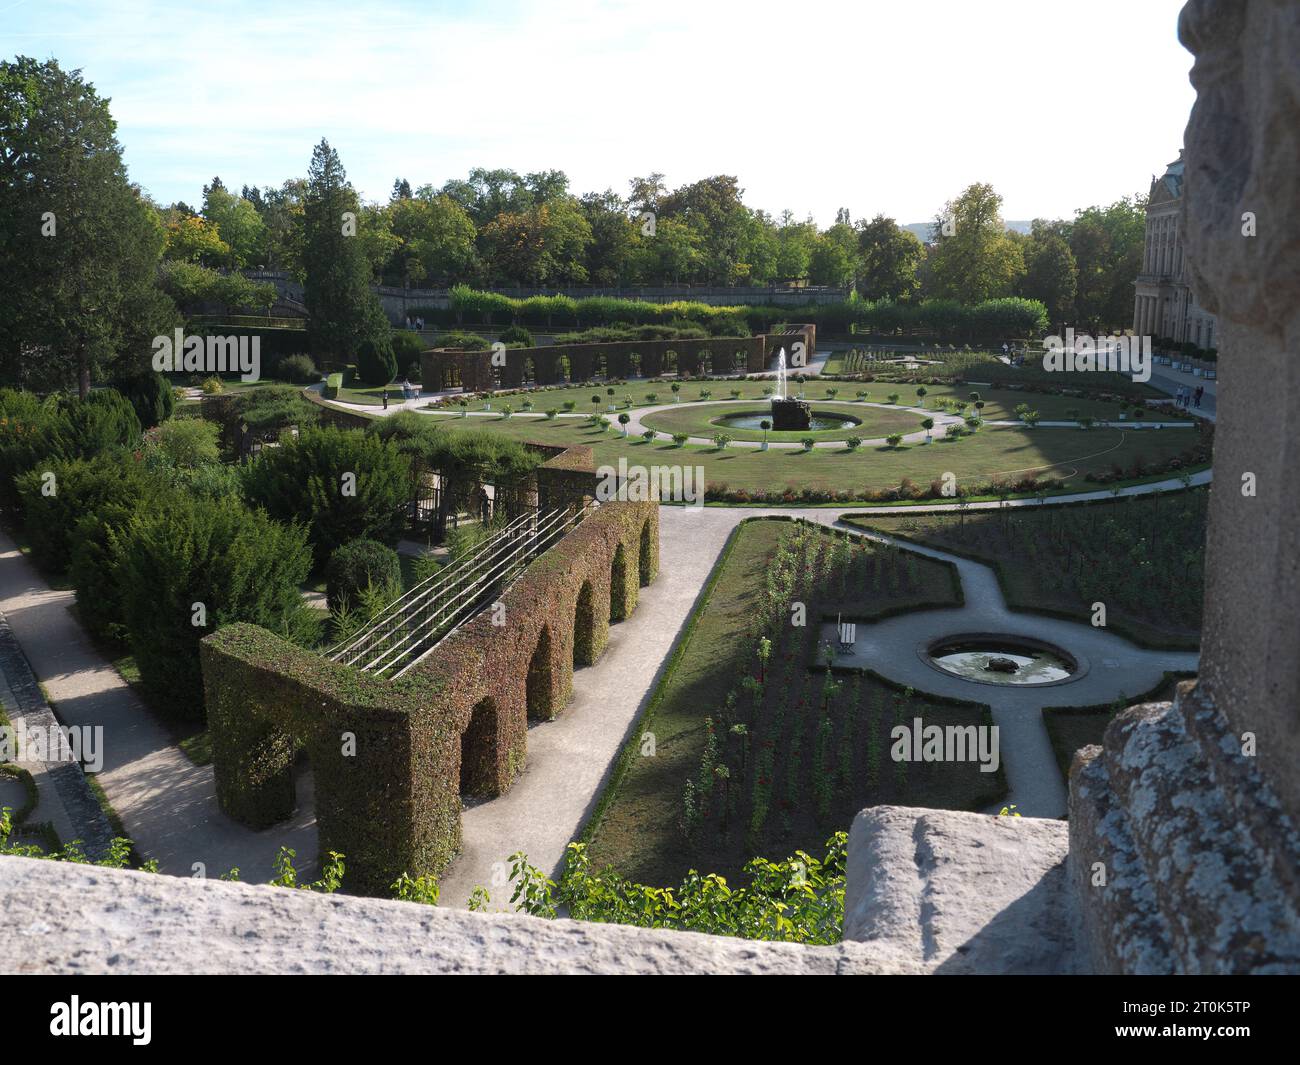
[(696, 419), (1143, 557), (798, 765), (1010, 452), (1000, 403), (1073, 727)]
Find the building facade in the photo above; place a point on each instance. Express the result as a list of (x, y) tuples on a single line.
[(1165, 305)]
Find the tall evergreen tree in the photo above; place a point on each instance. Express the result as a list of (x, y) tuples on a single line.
[(343, 310), (79, 245)]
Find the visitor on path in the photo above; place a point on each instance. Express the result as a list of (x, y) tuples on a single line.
[(1178, 396), (1196, 399), (385, 399)]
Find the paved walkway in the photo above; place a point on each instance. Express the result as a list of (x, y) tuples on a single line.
[(167, 804)]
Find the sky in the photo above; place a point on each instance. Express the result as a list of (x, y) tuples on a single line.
[(887, 108)]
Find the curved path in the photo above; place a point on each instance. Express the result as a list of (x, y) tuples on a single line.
[(635, 426)]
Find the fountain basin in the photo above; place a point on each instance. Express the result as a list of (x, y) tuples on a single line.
[(818, 421), (987, 658), (791, 415)]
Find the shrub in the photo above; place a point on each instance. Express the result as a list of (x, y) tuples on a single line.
[(297, 369), (376, 363), (195, 560), (852, 443), (407, 348), (517, 334), (345, 484), (33, 431), (81, 486), (894, 439), (460, 341), (212, 386), (92, 568), (187, 443), (332, 385), (357, 565), (150, 395), (680, 439)]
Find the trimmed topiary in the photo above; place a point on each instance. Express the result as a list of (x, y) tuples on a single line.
[(357, 565), (376, 363)]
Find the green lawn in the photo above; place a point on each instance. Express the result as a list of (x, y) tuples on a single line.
[(804, 765), (697, 419), (1000, 403), (1008, 452), (1143, 557)]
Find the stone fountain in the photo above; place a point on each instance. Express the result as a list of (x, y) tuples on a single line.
[(788, 415)]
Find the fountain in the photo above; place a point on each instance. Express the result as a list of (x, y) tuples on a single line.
[(788, 415)]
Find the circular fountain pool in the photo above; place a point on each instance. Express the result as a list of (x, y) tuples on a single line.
[(1016, 660), (821, 421)]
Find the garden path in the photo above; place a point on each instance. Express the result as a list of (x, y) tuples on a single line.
[(168, 805)]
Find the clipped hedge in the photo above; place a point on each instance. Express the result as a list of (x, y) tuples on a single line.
[(457, 722)]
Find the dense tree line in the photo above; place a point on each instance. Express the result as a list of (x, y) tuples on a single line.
[(91, 268)]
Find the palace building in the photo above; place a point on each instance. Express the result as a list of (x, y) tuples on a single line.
[(1165, 305)]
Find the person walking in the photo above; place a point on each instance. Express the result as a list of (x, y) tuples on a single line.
[(1200, 391), (385, 399)]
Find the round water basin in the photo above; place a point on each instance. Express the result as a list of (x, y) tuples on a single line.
[(1014, 660), (821, 421)]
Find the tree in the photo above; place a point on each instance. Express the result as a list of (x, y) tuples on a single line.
[(888, 259), (1051, 275), (435, 238), (613, 235), (546, 244), (376, 363), (79, 245), (239, 226), (834, 257), (344, 311), (978, 260), (192, 239), (1107, 243)]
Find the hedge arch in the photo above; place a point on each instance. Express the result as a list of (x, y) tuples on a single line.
[(622, 589), (389, 796), (543, 699), (585, 640), (648, 551), (478, 751)]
